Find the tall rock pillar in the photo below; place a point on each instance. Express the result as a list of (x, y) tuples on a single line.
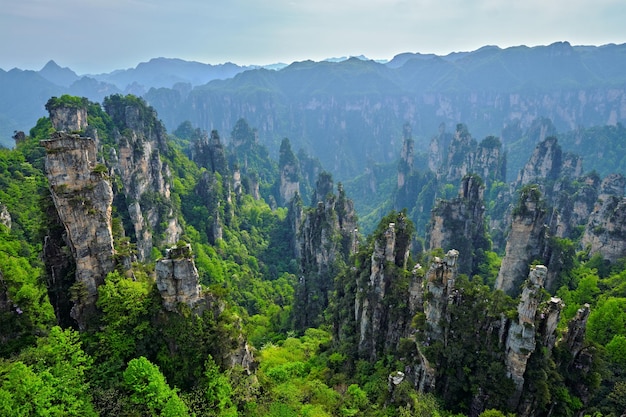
[(521, 339), (82, 196), (525, 242)]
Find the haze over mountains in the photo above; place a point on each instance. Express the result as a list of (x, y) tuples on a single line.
[(354, 107), (425, 236)]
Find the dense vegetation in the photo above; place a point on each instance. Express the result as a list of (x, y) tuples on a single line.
[(137, 359)]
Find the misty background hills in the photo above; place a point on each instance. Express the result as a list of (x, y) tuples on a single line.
[(350, 113)]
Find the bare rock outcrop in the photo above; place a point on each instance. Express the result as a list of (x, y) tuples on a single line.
[(525, 242), (289, 169), (325, 238), (452, 159), (67, 118), (544, 164), (82, 196), (210, 153), (440, 280), (612, 185), (379, 325), (605, 232), (5, 216), (521, 340), (146, 179), (178, 282), (405, 166), (459, 223), (177, 279)]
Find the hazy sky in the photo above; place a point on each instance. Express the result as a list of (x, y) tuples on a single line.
[(93, 36)]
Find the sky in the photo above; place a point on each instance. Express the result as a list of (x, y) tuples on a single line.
[(97, 36)]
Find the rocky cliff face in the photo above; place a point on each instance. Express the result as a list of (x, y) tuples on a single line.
[(521, 340), (465, 156), (177, 279), (82, 196), (460, 224), (605, 225), (581, 353), (405, 167), (544, 164), (440, 280), (5, 216), (146, 179), (289, 168), (68, 119), (325, 238), (605, 232), (178, 282), (210, 190), (525, 242), (210, 153), (380, 324)]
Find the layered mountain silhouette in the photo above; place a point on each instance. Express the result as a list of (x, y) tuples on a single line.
[(349, 112)]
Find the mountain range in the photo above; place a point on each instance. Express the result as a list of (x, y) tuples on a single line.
[(349, 113)]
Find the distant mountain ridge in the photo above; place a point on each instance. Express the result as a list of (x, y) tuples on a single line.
[(350, 114), (354, 107)]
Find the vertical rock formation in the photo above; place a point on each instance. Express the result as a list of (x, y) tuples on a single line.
[(459, 223), (5, 216), (178, 282), (581, 353), (605, 232), (437, 148), (82, 196), (289, 169), (465, 156), (381, 322), (210, 153), (210, 191), (440, 280), (574, 339), (525, 242), (145, 178), (612, 185), (68, 115), (405, 167), (325, 239), (177, 279), (544, 164), (573, 205), (521, 340)]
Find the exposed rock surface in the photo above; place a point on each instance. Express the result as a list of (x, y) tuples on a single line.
[(605, 232), (289, 169), (83, 196), (525, 241), (544, 164), (440, 280), (326, 236), (178, 282), (68, 119), (5, 216), (405, 167), (612, 185), (146, 179), (459, 223), (521, 339), (177, 279), (210, 192), (377, 331), (463, 156), (210, 153)]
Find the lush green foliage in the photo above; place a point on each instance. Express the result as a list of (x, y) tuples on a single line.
[(138, 359), (49, 379)]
